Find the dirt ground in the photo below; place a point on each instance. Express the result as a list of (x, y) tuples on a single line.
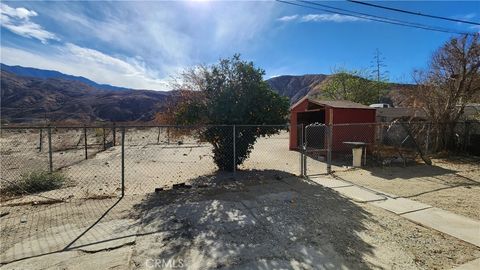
[(148, 165), (452, 185), (259, 220)]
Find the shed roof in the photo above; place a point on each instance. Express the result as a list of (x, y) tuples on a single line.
[(334, 103)]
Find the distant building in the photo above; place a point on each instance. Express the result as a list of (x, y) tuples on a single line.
[(471, 111), (380, 105)]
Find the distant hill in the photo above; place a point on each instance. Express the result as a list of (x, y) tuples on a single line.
[(29, 99), (296, 87), (52, 74), (30, 94)]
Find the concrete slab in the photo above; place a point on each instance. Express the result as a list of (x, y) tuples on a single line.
[(401, 205), (458, 226), (472, 265), (103, 236), (109, 244), (51, 239), (461, 227), (77, 260), (330, 182), (359, 194), (107, 235)]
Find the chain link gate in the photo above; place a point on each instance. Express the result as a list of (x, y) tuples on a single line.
[(316, 155)]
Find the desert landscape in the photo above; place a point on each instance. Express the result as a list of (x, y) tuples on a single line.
[(87, 216)]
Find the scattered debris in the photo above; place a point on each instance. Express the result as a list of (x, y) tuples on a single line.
[(181, 185)]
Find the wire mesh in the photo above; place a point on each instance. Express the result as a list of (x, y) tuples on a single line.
[(89, 164), (315, 142), (87, 161), (159, 157), (268, 151), (22, 152), (56, 163)]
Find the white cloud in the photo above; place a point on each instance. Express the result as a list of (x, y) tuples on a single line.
[(21, 13), (92, 64), (288, 18), (329, 18), (337, 18), (137, 43), (466, 17), (475, 28), (18, 21)]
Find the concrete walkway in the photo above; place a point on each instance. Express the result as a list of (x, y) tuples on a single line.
[(458, 226)]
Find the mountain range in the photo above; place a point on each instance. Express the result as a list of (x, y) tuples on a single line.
[(32, 99), (53, 74), (34, 95)]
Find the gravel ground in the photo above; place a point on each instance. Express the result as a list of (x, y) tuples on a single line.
[(266, 219), (287, 222), (452, 185), (148, 165), (257, 220)]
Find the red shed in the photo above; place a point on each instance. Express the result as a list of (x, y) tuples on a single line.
[(338, 113)]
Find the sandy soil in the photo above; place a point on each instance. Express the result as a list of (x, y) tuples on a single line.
[(260, 220), (265, 219), (148, 164), (452, 185)]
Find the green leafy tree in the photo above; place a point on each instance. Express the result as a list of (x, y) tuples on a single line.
[(353, 85), (231, 92)]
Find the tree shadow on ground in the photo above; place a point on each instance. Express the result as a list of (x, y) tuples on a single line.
[(251, 220)]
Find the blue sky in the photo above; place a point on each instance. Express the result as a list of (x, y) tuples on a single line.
[(142, 44)]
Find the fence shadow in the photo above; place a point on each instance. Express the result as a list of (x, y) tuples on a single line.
[(399, 172), (259, 219), (32, 232)]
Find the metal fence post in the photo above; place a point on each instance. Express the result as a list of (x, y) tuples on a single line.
[(301, 149), (123, 161), (234, 150), (85, 141), (50, 160), (427, 139), (329, 148), (104, 138), (114, 135), (466, 135), (304, 150), (168, 135), (41, 141)]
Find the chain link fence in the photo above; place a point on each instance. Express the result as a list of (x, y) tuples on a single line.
[(402, 143), (88, 169), (67, 163), (62, 163)]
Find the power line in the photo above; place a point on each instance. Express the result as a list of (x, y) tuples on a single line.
[(390, 20), (413, 13), (373, 17)]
